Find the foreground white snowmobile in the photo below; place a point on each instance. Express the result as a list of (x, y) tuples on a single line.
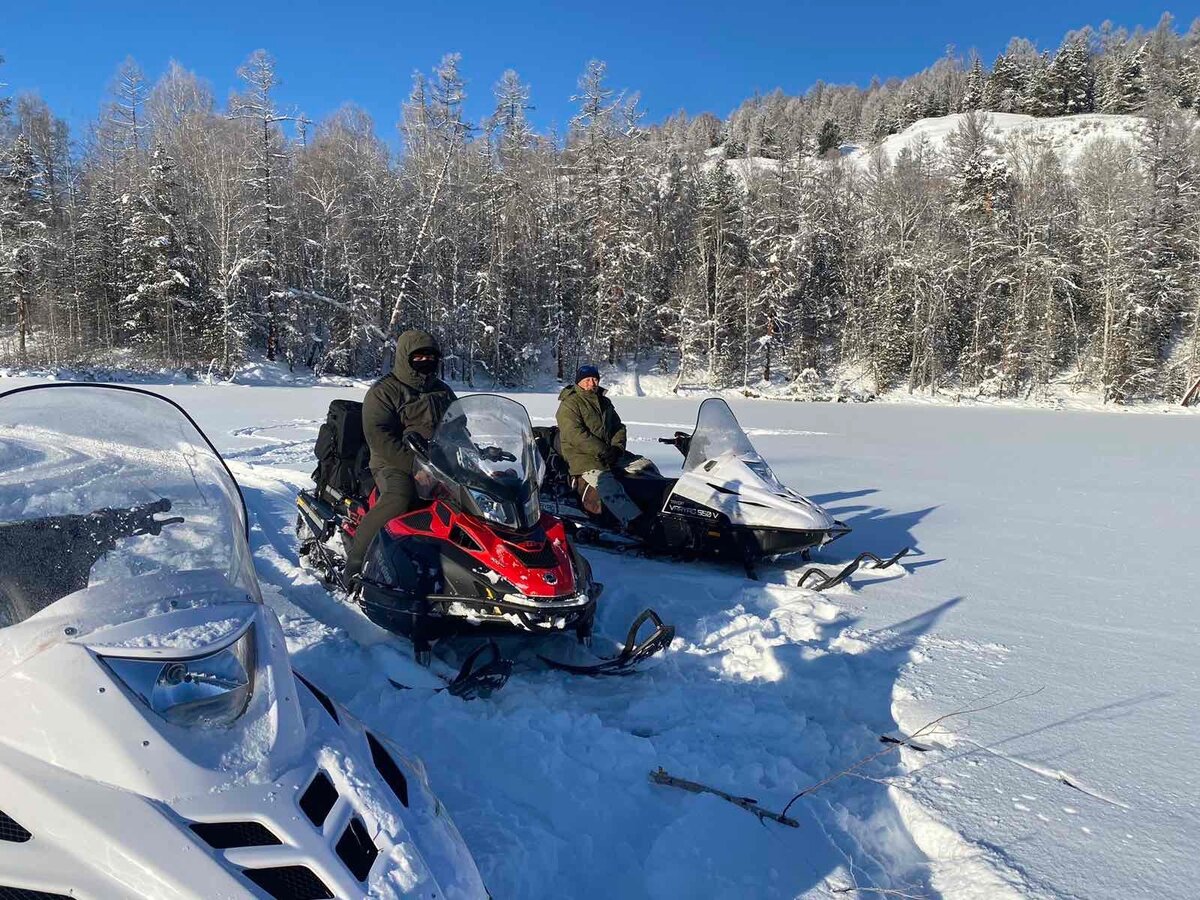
[(727, 503), (155, 741)]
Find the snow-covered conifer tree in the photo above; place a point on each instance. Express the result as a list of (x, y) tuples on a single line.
[(973, 96), (1072, 75), (1005, 86), (23, 239), (1125, 89)]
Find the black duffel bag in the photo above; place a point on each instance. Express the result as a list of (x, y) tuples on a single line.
[(341, 450)]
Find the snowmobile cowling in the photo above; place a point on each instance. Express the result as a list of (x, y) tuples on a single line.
[(156, 741)]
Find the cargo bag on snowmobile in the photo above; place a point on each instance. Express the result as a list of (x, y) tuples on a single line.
[(342, 452)]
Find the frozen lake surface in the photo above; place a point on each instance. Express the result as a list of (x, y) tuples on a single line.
[(1054, 592)]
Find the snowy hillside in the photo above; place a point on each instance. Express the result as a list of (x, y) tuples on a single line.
[(1051, 598), (1067, 136)]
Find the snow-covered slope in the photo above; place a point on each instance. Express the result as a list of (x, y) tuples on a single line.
[(1067, 136), (1056, 557)]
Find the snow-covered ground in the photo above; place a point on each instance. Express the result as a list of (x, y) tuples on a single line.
[(1053, 593)]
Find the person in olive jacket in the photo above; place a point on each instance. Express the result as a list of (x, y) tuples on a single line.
[(592, 439), (411, 399)]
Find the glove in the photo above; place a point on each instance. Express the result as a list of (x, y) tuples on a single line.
[(610, 456)]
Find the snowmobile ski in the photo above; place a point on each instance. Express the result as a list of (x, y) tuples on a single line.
[(822, 580), (905, 742), (632, 654), (475, 678)]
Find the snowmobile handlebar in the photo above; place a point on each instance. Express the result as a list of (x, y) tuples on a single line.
[(420, 446), (681, 441), (137, 520), (417, 444), (495, 454)]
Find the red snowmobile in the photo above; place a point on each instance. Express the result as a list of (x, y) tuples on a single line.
[(479, 558)]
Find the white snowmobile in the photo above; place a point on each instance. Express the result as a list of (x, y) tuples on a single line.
[(155, 740), (727, 504)]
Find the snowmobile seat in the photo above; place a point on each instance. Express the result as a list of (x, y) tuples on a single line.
[(342, 453)]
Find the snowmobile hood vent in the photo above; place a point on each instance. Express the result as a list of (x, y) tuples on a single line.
[(226, 835), (16, 893), (289, 883), (13, 833), (318, 799), (320, 695), (356, 849), (388, 769)]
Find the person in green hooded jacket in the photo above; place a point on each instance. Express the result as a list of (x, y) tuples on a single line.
[(592, 441), (409, 399)]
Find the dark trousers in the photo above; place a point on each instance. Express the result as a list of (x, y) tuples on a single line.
[(397, 495)]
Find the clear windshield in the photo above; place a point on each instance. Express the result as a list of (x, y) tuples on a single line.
[(486, 438), (484, 444), (718, 435), (102, 484)]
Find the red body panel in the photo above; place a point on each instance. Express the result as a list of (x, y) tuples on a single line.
[(545, 572)]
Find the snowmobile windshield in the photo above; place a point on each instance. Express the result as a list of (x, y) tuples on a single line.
[(718, 435), (108, 485), (484, 447)]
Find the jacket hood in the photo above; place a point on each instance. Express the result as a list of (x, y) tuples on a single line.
[(406, 345)]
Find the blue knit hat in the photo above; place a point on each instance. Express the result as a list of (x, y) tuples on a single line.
[(586, 372)]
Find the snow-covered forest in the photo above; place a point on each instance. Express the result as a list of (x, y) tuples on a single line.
[(780, 245)]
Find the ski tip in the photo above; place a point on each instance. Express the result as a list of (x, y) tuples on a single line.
[(905, 741)]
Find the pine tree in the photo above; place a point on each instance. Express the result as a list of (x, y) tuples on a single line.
[(720, 256), (1167, 246), (162, 274), (1043, 94), (901, 325), (1072, 77), (829, 138), (23, 226), (1045, 330), (192, 235), (1189, 80), (973, 96), (1125, 91), (980, 200), (1005, 87)]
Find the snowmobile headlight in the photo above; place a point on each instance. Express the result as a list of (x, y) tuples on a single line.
[(491, 508), (209, 690)]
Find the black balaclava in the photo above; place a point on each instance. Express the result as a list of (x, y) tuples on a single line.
[(408, 344)]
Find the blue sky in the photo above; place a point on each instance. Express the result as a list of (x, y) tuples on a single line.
[(699, 55)]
